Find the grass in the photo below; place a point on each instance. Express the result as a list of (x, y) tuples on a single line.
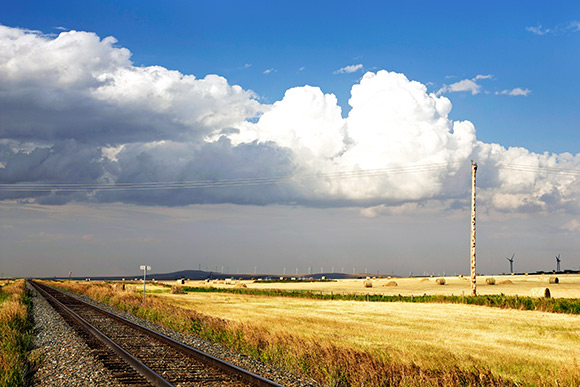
[(344, 343), (16, 332)]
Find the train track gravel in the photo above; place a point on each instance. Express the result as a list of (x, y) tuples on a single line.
[(67, 360)]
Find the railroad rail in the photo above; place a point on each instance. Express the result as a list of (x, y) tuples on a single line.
[(138, 356)]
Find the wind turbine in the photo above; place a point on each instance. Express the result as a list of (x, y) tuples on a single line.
[(511, 263), (558, 263)]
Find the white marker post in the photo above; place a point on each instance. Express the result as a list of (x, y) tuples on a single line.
[(144, 268)]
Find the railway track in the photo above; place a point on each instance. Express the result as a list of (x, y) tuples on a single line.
[(138, 356)]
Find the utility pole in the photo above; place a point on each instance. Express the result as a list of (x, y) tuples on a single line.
[(473, 285)]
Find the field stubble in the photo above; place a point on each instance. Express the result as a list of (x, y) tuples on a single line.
[(364, 343)]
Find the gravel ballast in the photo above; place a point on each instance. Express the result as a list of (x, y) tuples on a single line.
[(66, 359), (48, 334)]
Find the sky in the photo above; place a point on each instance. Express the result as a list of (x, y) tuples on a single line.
[(297, 137)]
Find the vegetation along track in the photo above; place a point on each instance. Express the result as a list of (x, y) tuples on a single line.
[(138, 356)]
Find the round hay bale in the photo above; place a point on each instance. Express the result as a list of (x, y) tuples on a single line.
[(554, 280), (180, 281), (368, 283), (391, 283), (541, 292), (240, 285), (177, 290), (506, 282), (490, 281), (440, 281)]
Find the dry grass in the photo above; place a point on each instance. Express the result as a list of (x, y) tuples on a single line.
[(359, 343), (15, 335), (523, 346)]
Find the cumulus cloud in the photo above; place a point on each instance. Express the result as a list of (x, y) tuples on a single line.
[(78, 86), (349, 69), (77, 111)]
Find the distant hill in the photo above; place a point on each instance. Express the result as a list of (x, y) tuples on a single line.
[(197, 275)]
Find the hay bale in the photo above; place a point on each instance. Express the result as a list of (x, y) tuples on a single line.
[(228, 281), (240, 285), (541, 292), (180, 281), (391, 283), (460, 275), (175, 289), (440, 281), (368, 283), (490, 281), (554, 280), (131, 288), (506, 282)]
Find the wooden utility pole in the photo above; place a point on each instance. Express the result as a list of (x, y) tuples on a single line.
[(473, 286)]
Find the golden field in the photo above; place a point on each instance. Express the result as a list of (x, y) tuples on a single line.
[(519, 345), (445, 341)]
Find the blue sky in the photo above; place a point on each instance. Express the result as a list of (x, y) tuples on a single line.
[(433, 86), (433, 43)]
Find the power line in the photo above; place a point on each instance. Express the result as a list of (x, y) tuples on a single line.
[(221, 183), (254, 181)]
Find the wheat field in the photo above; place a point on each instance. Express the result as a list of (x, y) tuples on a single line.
[(523, 346)]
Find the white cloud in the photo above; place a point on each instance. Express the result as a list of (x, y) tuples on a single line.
[(465, 85), (469, 85), (77, 85), (349, 69), (76, 110), (563, 28), (271, 70), (515, 92), (538, 30)]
